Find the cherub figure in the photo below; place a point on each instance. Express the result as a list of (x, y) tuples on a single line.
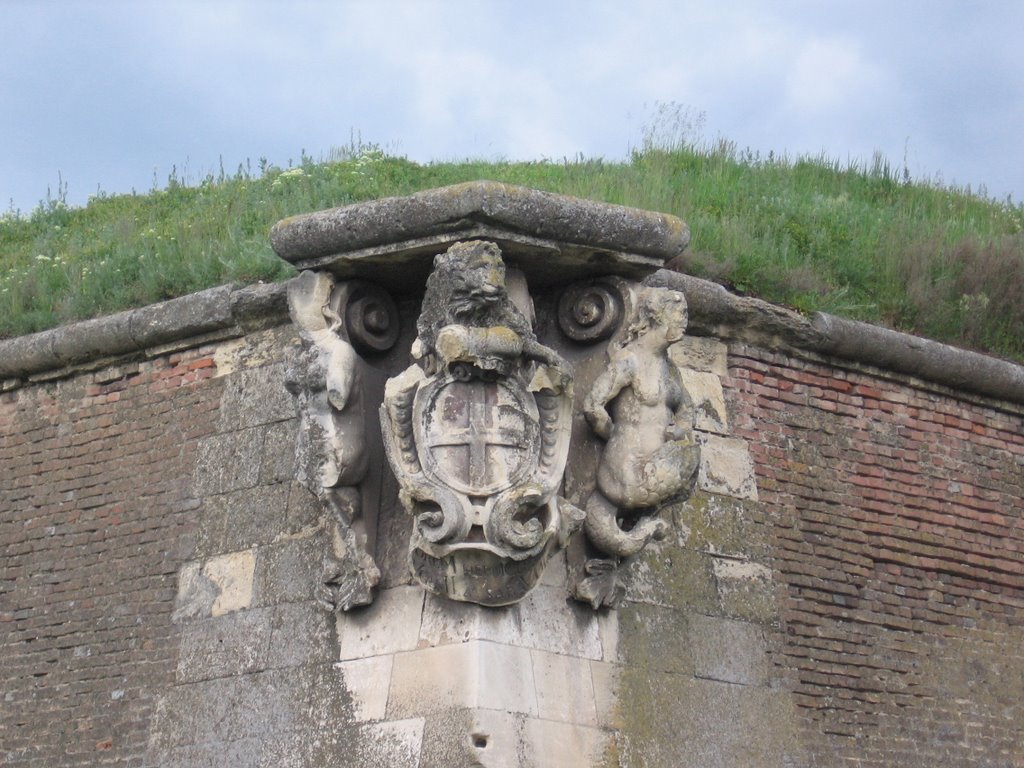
[(640, 408)]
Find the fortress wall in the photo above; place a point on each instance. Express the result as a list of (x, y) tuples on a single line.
[(896, 516), (96, 517), (845, 587)]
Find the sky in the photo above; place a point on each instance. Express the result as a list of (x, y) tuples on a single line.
[(109, 97)]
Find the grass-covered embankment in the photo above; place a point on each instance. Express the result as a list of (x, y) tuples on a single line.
[(856, 241)]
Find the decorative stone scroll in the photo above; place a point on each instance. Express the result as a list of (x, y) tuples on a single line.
[(486, 424), (325, 375)]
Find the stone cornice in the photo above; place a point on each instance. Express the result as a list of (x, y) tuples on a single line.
[(225, 311), (229, 311)]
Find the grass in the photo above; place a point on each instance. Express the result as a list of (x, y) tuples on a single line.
[(856, 239)]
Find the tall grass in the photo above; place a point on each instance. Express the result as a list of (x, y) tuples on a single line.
[(855, 239)]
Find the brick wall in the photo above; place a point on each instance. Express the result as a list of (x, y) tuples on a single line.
[(897, 519), (158, 563), (96, 516)]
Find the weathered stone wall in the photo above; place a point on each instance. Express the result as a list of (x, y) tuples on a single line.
[(865, 609), (896, 530), (845, 587), (96, 518)]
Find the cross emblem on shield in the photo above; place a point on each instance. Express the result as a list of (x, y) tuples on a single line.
[(479, 437)]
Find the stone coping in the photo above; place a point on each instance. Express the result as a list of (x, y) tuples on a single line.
[(230, 310), (550, 237), (225, 311)]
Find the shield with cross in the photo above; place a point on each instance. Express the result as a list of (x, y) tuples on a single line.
[(477, 437)]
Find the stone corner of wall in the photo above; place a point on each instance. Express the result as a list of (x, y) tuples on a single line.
[(231, 309)]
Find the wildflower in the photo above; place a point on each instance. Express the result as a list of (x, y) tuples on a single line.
[(291, 173)]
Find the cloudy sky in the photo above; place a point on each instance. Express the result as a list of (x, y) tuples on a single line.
[(110, 95)]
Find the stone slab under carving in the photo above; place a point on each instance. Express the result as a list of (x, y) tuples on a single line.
[(551, 237)]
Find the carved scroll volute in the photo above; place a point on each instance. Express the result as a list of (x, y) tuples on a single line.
[(478, 434), (326, 376), (593, 311), (644, 417)]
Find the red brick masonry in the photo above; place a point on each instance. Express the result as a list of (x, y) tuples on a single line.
[(898, 548)]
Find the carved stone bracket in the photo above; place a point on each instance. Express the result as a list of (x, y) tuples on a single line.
[(326, 376), (503, 452)]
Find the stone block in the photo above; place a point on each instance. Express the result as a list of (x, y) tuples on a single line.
[(721, 525), (301, 634), (304, 508), (565, 688), (252, 516), (608, 626), (253, 350), (277, 464), (368, 682), (209, 539), (239, 753), (389, 625), (668, 574), (481, 737), (228, 462), (214, 587), (745, 589), (728, 651), (546, 619), (700, 353), (467, 675), (705, 389), (251, 705), (606, 681), (392, 744), (473, 737), (232, 644), (655, 638), (289, 570), (255, 396), (676, 720), (566, 745), (726, 467)]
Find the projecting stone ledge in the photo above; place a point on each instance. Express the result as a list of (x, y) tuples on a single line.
[(552, 238)]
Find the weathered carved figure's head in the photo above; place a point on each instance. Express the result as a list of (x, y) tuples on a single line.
[(660, 311), (467, 287)]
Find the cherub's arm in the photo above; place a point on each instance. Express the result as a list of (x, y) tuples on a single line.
[(612, 381)]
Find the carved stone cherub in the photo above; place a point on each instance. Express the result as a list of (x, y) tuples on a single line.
[(640, 408)]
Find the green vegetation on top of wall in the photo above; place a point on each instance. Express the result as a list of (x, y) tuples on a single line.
[(856, 240)]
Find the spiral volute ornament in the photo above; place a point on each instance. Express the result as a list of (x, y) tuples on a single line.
[(592, 311)]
